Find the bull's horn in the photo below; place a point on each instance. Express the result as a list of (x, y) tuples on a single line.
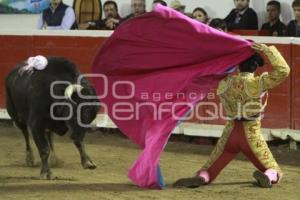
[(71, 89)]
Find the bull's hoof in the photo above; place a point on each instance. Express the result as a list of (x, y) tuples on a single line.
[(46, 175), (29, 159), (88, 164)]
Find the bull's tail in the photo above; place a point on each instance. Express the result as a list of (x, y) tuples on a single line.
[(10, 107)]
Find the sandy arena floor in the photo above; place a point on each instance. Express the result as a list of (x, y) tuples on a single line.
[(114, 155)]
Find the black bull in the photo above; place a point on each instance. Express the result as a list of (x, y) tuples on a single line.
[(32, 107)]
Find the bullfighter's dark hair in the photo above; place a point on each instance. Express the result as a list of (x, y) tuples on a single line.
[(252, 63)]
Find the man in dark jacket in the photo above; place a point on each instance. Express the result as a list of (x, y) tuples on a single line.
[(293, 28), (242, 17), (274, 26)]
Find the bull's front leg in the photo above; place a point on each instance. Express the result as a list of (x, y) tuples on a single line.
[(86, 162), (54, 160)]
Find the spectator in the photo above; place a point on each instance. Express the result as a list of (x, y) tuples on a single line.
[(293, 28), (138, 7), (218, 24), (274, 25), (160, 2), (176, 5), (200, 15), (112, 17), (58, 16), (242, 17)]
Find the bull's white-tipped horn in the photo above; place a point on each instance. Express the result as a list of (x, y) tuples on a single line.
[(71, 89)]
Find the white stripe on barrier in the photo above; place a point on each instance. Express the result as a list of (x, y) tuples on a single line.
[(103, 33), (296, 41), (270, 40)]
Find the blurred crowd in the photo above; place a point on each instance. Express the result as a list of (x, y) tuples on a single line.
[(241, 17)]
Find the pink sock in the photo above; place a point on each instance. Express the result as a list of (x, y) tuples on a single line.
[(272, 175), (205, 176)]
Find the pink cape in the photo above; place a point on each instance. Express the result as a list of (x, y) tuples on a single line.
[(159, 55)]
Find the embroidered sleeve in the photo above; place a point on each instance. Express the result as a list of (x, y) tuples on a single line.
[(280, 71)]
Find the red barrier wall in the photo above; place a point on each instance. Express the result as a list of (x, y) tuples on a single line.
[(295, 87), (283, 110)]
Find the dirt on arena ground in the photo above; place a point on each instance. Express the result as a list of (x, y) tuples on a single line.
[(114, 154)]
